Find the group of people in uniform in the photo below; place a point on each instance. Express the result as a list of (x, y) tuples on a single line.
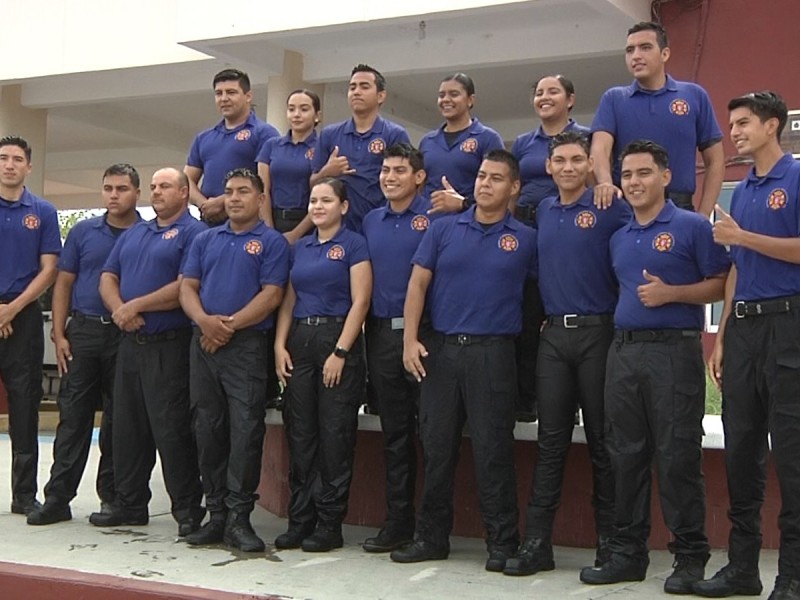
[(466, 281)]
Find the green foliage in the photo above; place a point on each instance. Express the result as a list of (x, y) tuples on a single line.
[(68, 218), (713, 398)]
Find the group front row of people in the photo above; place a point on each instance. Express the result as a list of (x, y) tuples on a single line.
[(623, 286)]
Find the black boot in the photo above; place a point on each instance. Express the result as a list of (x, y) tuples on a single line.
[(688, 570), (213, 532), (239, 533), (327, 537), (730, 580), (534, 555)]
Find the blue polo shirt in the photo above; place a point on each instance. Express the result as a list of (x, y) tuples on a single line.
[(676, 246), (768, 205), (392, 240), (233, 267), (289, 170), (218, 150), (148, 257), (679, 116), (460, 161), (86, 249), (320, 273), (478, 274), (28, 229), (532, 150), (575, 274), (364, 152)]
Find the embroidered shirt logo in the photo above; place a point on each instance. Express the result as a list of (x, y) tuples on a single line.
[(663, 242)]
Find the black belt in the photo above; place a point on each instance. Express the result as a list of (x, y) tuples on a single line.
[(682, 199), (655, 335), (314, 321), (756, 308), (172, 334), (465, 339), (83, 317), (289, 214), (525, 213), (575, 321), (395, 323)]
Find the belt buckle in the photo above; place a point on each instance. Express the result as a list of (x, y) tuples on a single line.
[(104, 320), (313, 321), (463, 339), (398, 323), (139, 338), (740, 304), (566, 322)]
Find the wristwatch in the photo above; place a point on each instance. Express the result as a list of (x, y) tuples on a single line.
[(340, 352)]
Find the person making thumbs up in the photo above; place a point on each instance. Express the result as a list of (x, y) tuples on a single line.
[(352, 150)]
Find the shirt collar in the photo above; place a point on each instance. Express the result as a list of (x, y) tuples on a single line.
[(468, 217), (182, 220), (250, 122), (669, 86), (664, 216), (776, 172), (377, 126), (26, 199), (258, 229), (285, 140), (539, 133), (313, 239), (418, 206), (586, 200), (103, 222)]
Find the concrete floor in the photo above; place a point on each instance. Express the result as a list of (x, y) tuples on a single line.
[(155, 553)]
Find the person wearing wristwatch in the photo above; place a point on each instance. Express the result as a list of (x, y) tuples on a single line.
[(319, 358)]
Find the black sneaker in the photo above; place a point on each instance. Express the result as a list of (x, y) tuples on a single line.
[(688, 569), (619, 568), (386, 541), (534, 555), (25, 508), (730, 580), (323, 540), (419, 551), (497, 560), (50, 513), (785, 588), (212, 532)]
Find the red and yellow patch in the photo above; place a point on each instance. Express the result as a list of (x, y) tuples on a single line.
[(469, 145), (336, 252), (30, 221), (508, 243), (243, 135), (420, 223), (168, 235), (777, 199), (310, 154), (663, 242), (377, 146), (679, 107), (253, 247), (585, 219)]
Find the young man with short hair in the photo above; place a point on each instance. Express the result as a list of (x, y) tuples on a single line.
[(755, 357)]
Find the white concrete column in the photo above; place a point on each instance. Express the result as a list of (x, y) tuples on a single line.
[(27, 123), (280, 86)]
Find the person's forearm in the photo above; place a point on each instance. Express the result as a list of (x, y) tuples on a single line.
[(702, 292), (261, 305), (62, 290), (38, 285)]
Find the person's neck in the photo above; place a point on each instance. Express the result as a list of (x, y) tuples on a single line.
[(242, 226), (301, 136), (170, 220), (555, 126), (237, 121), (122, 221), (11, 193), (767, 157), (325, 234), (490, 217), (459, 124), (644, 216), (654, 83), (568, 198), (365, 121), (401, 205)]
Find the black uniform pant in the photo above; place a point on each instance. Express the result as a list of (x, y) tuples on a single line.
[(398, 398), (527, 347), (321, 425), (151, 412), (655, 401), (571, 373), (228, 397), (87, 386), (21, 357), (474, 381), (760, 396)]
